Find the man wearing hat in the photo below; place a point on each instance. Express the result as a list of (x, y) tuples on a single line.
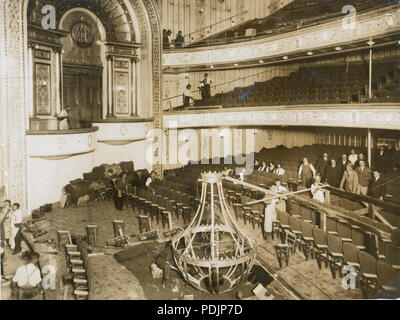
[(350, 180), (63, 117)]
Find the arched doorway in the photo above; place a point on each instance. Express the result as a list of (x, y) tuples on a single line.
[(84, 66)]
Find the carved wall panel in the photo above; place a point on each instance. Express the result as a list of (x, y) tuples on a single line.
[(43, 88), (121, 93)]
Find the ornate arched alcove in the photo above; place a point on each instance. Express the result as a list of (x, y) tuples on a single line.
[(127, 29)]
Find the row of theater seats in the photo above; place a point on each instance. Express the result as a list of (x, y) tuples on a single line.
[(341, 244), (77, 262), (336, 250), (347, 232), (290, 160), (298, 14), (184, 183), (168, 200), (321, 85)]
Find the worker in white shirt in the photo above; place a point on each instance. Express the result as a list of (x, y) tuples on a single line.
[(27, 279), (270, 209), (63, 117), (16, 222), (353, 157), (150, 180), (2, 260), (306, 173), (226, 172), (242, 174), (188, 97)]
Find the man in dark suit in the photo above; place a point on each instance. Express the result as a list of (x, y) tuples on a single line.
[(364, 178), (333, 174), (377, 187), (343, 163), (381, 162), (321, 166)]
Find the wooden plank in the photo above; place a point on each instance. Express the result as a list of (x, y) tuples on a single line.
[(367, 224), (380, 217), (389, 207), (254, 187)]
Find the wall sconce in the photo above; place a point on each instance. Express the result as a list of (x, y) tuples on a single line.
[(44, 83)]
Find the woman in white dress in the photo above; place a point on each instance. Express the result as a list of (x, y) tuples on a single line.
[(63, 117), (317, 193), (270, 209)]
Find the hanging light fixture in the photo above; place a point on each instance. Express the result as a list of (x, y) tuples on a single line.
[(213, 254)]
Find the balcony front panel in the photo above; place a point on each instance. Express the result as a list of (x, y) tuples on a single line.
[(378, 116)]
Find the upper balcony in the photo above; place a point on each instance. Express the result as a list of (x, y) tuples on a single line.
[(340, 35)]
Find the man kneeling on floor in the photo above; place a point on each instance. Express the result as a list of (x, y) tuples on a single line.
[(27, 280)]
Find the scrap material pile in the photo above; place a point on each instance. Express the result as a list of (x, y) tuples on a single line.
[(36, 234)]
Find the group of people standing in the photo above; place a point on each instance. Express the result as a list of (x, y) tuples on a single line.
[(351, 173), (205, 90), (168, 42), (11, 221)]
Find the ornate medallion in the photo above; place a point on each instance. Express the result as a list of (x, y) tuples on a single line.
[(124, 130), (61, 142), (82, 33)]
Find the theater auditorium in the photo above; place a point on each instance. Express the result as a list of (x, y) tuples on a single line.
[(200, 149)]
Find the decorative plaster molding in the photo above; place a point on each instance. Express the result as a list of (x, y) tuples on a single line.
[(328, 35), (120, 132), (359, 116), (60, 146), (121, 142)]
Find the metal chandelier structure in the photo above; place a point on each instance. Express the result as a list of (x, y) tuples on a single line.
[(213, 254)]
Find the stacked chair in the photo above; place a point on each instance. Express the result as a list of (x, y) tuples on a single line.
[(77, 260)]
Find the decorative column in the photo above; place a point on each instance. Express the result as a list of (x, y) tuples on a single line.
[(110, 111), (31, 51), (134, 86), (57, 51), (15, 99)]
